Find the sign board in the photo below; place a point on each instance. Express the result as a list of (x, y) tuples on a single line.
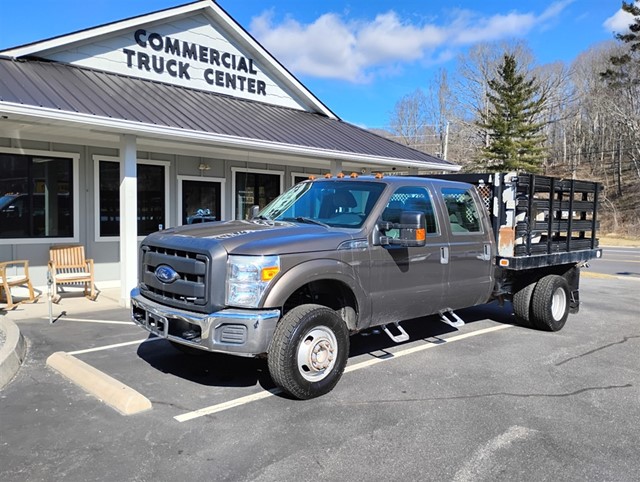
[(186, 51)]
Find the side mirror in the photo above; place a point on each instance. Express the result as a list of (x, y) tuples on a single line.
[(253, 212), (412, 230)]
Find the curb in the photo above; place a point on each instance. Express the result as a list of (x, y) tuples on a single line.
[(12, 353), (124, 399)]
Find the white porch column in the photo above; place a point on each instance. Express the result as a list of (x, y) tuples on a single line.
[(336, 167), (128, 218)]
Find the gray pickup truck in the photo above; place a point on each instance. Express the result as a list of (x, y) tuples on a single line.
[(334, 256)]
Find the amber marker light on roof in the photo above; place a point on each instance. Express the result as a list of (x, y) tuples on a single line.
[(379, 175), (340, 175), (353, 175), (327, 175), (312, 178)]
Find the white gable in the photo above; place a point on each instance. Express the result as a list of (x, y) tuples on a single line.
[(197, 45), (189, 52)]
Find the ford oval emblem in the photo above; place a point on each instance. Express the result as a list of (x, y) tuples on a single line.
[(166, 273)]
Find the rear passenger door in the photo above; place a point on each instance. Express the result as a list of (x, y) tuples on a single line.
[(470, 259), (408, 282)]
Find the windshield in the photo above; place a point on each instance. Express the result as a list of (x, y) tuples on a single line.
[(343, 204)]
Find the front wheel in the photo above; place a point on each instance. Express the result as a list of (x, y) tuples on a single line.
[(550, 303), (309, 351)]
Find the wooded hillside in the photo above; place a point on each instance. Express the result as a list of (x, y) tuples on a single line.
[(586, 118)]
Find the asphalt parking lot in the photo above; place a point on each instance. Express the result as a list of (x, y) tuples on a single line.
[(490, 401)]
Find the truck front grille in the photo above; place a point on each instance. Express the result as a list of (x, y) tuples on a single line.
[(190, 288)]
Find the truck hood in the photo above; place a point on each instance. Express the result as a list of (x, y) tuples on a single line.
[(264, 238)]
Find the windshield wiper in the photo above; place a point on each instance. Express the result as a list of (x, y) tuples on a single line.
[(262, 217), (302, 219)]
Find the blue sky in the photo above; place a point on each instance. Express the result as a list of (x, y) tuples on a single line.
[(358, 57)]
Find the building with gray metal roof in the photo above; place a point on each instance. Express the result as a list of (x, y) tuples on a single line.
[(176, 116)]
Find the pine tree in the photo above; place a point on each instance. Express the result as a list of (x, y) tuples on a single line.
[(515, 134), (624, 68)]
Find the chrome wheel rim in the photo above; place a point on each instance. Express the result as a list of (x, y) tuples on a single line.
[(558, 304), (317, 354)]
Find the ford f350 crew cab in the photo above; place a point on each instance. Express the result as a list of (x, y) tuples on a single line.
[(334, 256)]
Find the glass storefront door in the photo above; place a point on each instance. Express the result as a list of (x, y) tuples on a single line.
[(201, 201), (255, 188)]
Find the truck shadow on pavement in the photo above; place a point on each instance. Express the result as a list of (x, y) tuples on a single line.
[(376, 342), (221, 370), (208, 369)]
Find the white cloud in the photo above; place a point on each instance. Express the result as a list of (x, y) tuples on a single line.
[(325, 48), (619, 22), (472, 29), (357, 50)]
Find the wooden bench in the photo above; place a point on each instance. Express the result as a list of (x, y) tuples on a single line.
[(21, 278), (67, 265)]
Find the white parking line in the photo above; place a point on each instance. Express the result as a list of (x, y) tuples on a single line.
[(358, 366), (117, 345), (226, 405), (415, 349)]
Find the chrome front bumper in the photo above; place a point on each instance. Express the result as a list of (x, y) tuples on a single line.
[(234, 331)]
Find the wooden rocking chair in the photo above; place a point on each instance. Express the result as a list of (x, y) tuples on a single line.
[(20, 279), (67, 264)]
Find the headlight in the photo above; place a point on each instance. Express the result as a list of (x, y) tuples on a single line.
[(248, 278)]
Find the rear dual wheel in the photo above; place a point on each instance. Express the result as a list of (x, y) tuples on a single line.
[(543, 305), (550, 303), (522, 304)]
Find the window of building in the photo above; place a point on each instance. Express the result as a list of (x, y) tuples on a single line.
[(36, 196), (298, 177), (462, 211), (152, 197), (200, 199), (254, 188)]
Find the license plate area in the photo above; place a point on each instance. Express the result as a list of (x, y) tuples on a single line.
[(158, 324)]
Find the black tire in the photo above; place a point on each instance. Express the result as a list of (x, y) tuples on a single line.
[(305, 331), (550, 303), (522, 304)]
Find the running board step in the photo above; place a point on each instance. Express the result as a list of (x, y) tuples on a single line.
[(403, 336), (454, 321)]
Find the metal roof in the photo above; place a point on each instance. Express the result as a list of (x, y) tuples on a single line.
[(67, 88)]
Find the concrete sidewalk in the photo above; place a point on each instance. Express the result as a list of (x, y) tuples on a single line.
[(12, 343), (71, 301)]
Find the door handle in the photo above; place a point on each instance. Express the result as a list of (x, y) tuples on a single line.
[(444, 255)]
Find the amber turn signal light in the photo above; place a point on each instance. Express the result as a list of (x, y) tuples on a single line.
[(269, 273)]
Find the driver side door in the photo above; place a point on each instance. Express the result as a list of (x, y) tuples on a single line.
[(408, 282)]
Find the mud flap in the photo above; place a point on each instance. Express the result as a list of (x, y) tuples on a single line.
[(573, 279)]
